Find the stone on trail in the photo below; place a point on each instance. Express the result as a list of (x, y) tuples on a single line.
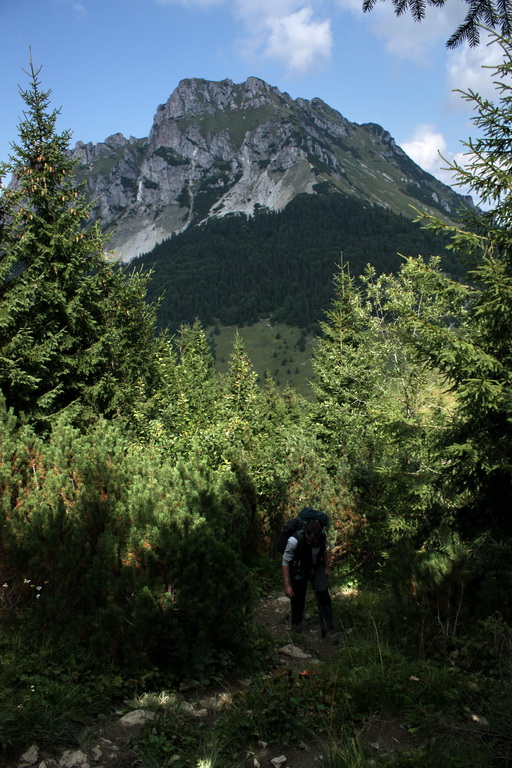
[(30, 756), (199, 713), (97, 753), (136, 717), (294, 652), (73, 758)]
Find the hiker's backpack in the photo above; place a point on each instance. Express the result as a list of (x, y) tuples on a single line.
[(298, 524)]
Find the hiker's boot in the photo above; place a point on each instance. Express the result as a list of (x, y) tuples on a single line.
[(297, 610), (325, 614)]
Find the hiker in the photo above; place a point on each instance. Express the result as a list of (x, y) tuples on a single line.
[(305, 558)]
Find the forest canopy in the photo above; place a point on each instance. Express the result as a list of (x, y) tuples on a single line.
[(280, 264)]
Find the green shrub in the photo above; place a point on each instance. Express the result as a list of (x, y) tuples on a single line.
[(108, 544)]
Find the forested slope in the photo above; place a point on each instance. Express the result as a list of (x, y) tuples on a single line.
[(236, 269)]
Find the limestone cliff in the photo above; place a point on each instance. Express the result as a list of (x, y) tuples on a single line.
[(219, 148)]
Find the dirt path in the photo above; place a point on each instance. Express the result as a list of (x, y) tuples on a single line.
[(110, 745), (385, 735), (273, 613)]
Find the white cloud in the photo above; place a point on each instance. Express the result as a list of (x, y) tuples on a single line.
[(468, 69), (284, 31), (428, 148), (292, 33), (298, 40), (257, 12), (425, 147), (403, 37)]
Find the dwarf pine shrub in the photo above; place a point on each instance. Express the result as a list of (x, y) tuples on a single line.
[(109, 544)]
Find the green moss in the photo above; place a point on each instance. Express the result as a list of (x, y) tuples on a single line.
[(170, 156), (129, 183)]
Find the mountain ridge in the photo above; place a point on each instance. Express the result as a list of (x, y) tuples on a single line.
[(217, 148)]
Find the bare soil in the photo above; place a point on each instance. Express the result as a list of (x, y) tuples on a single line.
[(273, 612)]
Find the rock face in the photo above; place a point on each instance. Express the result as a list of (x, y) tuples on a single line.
[(219, 148)]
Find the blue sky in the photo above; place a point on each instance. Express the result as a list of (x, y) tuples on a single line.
[(110, 63)]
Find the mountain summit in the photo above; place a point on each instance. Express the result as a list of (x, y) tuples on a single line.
[(219, 148)]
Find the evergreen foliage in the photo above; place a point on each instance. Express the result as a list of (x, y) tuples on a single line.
[(73, 328), (375, 411), (346, 375), (462, 332), (475, 355), (255, 429), (237, 269), (128, 554), (493, 14), (432, 471)]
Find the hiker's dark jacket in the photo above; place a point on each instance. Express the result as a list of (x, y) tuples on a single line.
[(301, 557)]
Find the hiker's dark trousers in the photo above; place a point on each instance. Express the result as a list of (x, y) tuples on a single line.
[(318, 580)]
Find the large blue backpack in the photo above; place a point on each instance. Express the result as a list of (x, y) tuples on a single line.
[(298, 524)]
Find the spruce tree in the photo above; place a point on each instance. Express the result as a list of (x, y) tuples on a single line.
[(243, 392), (374, 409), (472, 343), (73, 328), (348, 368), (196, 380)]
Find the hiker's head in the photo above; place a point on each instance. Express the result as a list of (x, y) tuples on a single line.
[(313, 531)]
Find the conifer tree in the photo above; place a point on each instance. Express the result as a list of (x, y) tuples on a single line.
[(348, 371), (243, 392), (196, 380), (370, 412), (73, 328), (470, 339)]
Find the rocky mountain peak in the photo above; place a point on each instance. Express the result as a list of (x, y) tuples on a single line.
[(195, 96), (218, 148)]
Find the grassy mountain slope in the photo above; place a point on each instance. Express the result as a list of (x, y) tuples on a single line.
[(282, 350)]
